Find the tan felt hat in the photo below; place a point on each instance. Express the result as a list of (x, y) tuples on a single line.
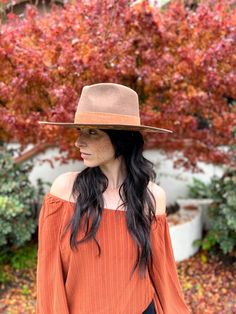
[(108, 106)]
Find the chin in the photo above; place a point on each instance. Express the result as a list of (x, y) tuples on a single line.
[(90, 164)]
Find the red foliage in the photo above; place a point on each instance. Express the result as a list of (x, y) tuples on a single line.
[(182, 63)]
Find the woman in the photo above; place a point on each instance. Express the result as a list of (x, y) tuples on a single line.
[(104, 242)]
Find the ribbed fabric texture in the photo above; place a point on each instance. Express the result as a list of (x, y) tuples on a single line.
[(81, 282)]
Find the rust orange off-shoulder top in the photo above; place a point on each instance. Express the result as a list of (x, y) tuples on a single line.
[(81, 282)]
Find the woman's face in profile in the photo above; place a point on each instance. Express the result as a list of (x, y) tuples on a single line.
[(95, 147)]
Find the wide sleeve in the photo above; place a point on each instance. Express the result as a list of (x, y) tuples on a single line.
[(51, 296), (168, 296)]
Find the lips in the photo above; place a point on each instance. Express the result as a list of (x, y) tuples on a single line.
[(84, 155)]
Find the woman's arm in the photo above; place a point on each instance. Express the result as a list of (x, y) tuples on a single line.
[(168, 297), (51, 295)]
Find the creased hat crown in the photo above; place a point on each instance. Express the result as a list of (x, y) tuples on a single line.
[(108, 106), (108, 103)]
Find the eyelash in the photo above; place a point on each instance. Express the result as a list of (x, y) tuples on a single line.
[(92, 132)]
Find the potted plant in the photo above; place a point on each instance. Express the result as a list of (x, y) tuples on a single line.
[(185, 228), (187, 219)]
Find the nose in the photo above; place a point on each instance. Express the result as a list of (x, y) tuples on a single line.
[(81, 141)]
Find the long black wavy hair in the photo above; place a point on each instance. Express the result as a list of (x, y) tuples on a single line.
[(136, 197)]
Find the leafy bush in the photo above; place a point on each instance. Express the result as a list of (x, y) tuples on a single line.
[(199, 189), (19, 201), (18, 259), (25, 257), (4, 276), (221, 213)]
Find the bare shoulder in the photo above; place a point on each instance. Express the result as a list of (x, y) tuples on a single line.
[(62, 185), (160, 197)]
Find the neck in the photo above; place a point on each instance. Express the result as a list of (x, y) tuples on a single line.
[(115, 172)]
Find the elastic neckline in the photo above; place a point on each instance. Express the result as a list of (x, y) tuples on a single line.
[(107, 209), (73, 203)]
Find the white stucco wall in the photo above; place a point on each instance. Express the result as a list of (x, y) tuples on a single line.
[(174, 181)]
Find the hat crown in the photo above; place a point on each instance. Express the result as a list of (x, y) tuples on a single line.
[(109, 100), (108, 106)]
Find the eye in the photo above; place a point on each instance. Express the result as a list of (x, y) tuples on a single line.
[(92, 132)]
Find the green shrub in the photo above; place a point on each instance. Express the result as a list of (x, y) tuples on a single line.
[(18, 259), (4, 276), (19, 201), (221, 213), (199, 189), (16, 222), (25, 257)]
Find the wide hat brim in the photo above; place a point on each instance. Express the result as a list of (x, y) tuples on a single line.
[(108, 126)]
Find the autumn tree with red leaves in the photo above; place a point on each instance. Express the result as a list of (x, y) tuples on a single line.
[(182, 63)]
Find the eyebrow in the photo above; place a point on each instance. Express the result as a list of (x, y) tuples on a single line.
[(87, 129)]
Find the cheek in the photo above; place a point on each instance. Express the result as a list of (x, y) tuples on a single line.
[(105, 150)]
